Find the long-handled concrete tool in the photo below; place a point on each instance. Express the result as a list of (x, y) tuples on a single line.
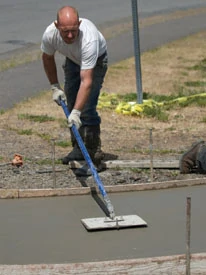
[(113, 221)]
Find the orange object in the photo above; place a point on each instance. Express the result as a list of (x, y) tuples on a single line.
[(17, 160)]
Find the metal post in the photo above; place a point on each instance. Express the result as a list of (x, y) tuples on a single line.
[(188, 230), (137, 51)]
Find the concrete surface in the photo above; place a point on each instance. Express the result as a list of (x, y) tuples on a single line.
[(49, 230)]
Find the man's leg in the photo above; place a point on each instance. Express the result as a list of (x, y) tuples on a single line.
[(91, 119), (90, 129), (71, 87)]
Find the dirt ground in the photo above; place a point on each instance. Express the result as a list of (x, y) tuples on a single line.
[(164, 71), (120, 144)]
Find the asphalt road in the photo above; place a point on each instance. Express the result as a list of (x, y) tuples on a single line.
[(27, 80), (23, 21), (49, 230)]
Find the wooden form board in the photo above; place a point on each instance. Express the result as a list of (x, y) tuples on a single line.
[(32, 193), (157, 163)]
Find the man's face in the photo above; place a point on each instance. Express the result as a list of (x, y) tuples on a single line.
[(69, 33)]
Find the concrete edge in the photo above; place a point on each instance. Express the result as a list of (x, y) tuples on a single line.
[(144, 266), (53, 192)]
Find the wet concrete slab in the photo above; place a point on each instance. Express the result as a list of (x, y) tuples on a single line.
[(49, 230)]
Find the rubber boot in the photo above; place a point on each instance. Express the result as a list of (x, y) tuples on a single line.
[(93, 144), (188, 160), (76, 153)]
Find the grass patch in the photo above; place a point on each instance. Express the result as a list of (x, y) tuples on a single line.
[(201, 66), (181, 92), (139, 170), (27, 132), (47, 162), (198, 101), (63, 123), (163, 151), (157, 112), (36, 118), (160, 97), (195, 83), (44, 136), (128, 97), (171, 129), (155, 151), (132, 97), (63, 143)]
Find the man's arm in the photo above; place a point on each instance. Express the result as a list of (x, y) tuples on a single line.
[(50, 68), (51, 72), (82, 97), (84, 89)]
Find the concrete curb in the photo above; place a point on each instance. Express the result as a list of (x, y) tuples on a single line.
[(146, 266), (31, 193)]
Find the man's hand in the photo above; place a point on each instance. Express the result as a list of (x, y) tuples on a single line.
[(58, 94), (74, 118)]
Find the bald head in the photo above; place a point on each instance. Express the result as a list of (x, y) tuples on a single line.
[(68, 24), (67, 15)]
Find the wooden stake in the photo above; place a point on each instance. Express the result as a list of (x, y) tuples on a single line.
[(151, 156), (53, 163), (188, 231)]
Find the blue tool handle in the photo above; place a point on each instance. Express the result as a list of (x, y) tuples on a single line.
[(89, 162)]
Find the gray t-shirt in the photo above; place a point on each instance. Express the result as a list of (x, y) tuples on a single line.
[(86, 49)]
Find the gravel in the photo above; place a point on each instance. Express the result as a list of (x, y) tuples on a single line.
[(35, 176)]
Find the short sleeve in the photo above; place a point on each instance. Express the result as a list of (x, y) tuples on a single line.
[(46, 45), (90, 54)]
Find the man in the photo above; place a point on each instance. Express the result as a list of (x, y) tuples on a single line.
[(85, 67)]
